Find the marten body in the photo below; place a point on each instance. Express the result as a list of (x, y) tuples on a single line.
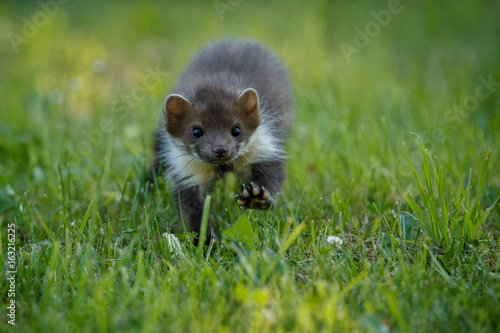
[(229, 112)]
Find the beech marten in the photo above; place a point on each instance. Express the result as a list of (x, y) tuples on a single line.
[(229, 112)]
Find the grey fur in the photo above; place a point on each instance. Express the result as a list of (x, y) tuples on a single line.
[(213, 81)]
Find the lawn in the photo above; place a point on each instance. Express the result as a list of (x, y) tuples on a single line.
[(394, 150)]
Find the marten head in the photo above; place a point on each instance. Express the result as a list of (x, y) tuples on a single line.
[(214, 126)]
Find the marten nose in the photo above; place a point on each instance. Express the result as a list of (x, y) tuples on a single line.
[(220, 151)]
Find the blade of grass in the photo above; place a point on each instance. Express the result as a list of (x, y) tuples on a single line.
[(293, 236), (204, 223), (444, 211), (482, 177), (84, 221)]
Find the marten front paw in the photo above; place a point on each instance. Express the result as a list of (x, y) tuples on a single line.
[(254, 196)]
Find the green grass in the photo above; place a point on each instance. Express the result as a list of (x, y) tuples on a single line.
[(416, 213)]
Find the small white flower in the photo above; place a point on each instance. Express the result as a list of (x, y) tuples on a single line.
[(334, 241), (173, 243)]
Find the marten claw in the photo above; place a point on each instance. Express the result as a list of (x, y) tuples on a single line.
[(253, 196)]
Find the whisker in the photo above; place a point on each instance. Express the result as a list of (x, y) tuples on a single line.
[(192, 161), (245, 157)]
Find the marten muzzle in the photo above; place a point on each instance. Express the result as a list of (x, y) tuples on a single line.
[(220, 152)]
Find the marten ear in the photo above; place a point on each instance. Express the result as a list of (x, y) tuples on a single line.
[(248, 101), (176, 109)]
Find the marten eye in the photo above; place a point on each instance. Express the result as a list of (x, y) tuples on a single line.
[(197, 133), (236, 132)]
